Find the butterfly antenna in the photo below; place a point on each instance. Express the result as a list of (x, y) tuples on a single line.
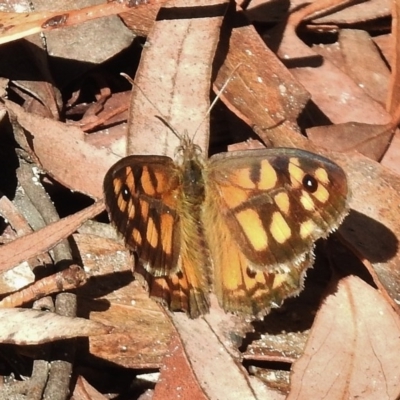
[(168, 125), (160, 117), (217, 97)]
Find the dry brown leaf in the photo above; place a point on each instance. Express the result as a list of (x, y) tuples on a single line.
[(84, 45), (392, 156), (45, 239), (14, 217), (182, 95), (336, 95), (393, 99), (102, 255), (141, 19), (355, 13), (176, 377), (18, 25), (141, 333), (364, 63), (353, 348), (261, 82), (283, 38), (84, 391), (113, 111), (68, 154), (339, 97), (67, 279), (372, 229), (386, 46), (16, 278), (370, 140), (206, 352), (27, 327), (262, 92)]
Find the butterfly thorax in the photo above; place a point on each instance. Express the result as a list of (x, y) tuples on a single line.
[(192, 181), (191, 165)]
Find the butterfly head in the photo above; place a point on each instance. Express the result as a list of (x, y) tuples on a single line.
[(187, 150)]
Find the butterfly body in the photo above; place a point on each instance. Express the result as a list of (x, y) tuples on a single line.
[(240, 224)]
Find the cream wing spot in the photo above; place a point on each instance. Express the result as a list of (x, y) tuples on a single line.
[(321, 194), (306, 201), (307, 228), (295, 172), (280, 230), (268, 176), (243, 178), (283, 202), (252, 226), (233, 196), (322, 175), (260, 278)]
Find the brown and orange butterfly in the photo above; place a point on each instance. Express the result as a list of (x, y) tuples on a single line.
[(241, 224)]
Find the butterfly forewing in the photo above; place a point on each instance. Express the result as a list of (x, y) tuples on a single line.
[(141, 195)]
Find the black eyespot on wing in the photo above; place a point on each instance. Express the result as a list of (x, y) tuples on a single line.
[(310, 183), (126, 194)]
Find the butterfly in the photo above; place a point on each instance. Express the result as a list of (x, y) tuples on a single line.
[(241, 225)]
